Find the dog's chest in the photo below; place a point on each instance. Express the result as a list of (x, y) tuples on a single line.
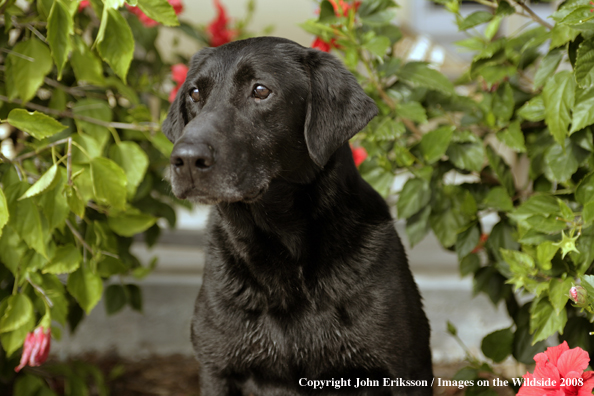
[(270, 349)]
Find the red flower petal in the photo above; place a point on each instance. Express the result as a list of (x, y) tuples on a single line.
[(575, 359), (553, 353), (321, 45), (83, 4), (359, 155), (27, 348), (179, 73), (586, 389), (219, 33), (173, 93)]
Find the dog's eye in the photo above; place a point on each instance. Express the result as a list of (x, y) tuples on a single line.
[(261, 92), (195, 95)]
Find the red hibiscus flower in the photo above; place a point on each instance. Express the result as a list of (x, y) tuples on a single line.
[(178, 74), (340, 8), (343, 7), (219, 32), (359, 155), (83, 4), (323, 45), (177, 5), (559, 371), (36, 348)]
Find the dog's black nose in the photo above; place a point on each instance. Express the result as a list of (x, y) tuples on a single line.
[(192, 156)]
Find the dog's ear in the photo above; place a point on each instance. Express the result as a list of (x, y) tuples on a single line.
[(174, 124), (337, 106)]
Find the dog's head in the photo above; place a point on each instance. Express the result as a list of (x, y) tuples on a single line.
[(259, 109)]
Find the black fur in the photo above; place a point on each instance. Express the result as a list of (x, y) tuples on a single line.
[(305, 274)]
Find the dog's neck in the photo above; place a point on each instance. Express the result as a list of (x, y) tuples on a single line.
[(287, 210), (278, 240)]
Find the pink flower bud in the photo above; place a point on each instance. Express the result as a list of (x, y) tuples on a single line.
[(36, 348), (578, 295)]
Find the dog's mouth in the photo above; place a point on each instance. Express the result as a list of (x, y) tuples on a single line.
[(197, 195)]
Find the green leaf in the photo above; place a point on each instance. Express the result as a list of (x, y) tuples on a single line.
[(467, 240), (115, 298), (539, 204), (501, 169), (25, 72), (583, 115), (19, 310), (559, 98), (116, 47), (135, 297), (499, 199), (66, 260), (417, 226), (29, 225), (415, 195), (584, 65), (451, 328), (561, 163), (513, 137), (545, 253), (59, 28), (114, 4), (13, 340), (468, 156), (326, 13), (584, 191), (75, 201), (474, 19), (36, 124), (86, 287), (129, 224), (413, 111), (133, 160), (378, 46), (588, 212), (470, 264), (561, 35), (533, 110), (547, 67), (159, 10), (86, 65), (109, 182), (504, 9), (544, 321), (419, 74), (520, 263), (4, 215), (503, 102), (498, 345), (46, 182), (559, 293), (493, 27), (435, 143)]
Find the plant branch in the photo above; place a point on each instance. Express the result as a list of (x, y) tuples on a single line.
[(145, 127), (69, 162), (532, 14), (78, 236), (408, 123), (35, 152)]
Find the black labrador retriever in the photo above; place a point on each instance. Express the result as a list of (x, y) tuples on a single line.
[(306, 288)]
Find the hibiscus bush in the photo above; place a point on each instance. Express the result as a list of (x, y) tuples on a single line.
[(500, 162), (83, 90)]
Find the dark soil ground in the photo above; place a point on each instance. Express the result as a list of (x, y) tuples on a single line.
[(178, 376)]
